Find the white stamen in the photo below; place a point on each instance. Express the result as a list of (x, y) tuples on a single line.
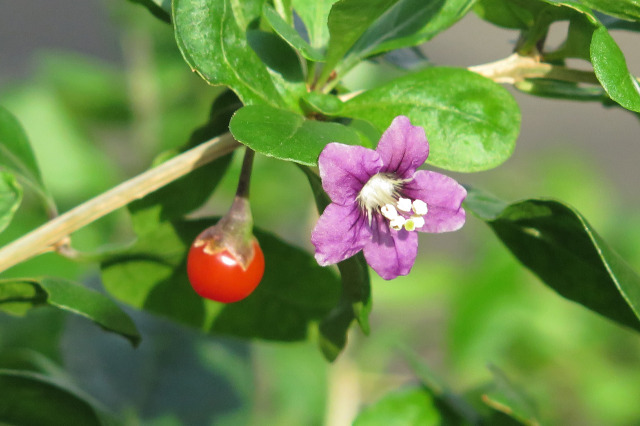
[(404, 204), (389, 211), (397, 223), (420, 207), (381, 189), (418, 221)]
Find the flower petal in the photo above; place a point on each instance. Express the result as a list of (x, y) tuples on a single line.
[(345, 169), (403, 148), (340, 233), (443, 196), (390, 253)]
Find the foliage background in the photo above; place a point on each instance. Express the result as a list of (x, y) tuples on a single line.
[(476, 306)]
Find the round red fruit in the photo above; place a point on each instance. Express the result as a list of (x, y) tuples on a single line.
[(220, 276)]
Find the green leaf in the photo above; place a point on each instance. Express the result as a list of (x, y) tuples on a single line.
[(471, 122), (408, 407), (16, 155), (518, 14), (355, 301), (294, 291), (216, 47), (71, 297), (37, 400), (562, 90), (286, 135), (408, 23), (624, 9), (10, 198), (315, 15), (290, 35), (611, 69), (161, 9), (348, 20), (506, 398), (191, 191), (557, 244)]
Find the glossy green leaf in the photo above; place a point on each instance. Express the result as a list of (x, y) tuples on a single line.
[(161, 9), (562, 90), (290, 35), (505, 397), (16, 155), (557, 244), (624, 9), (191, 191), (355, 301), (348, 20), (294, 291), (71, 297), (471, 122), (34, 399), (611, 69), (216, 47), (409, 23), (315, 15), (408, 407), (286, 135), (10, 198)]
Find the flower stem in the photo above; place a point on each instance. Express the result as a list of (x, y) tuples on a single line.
[(54, 233), (245, 174)]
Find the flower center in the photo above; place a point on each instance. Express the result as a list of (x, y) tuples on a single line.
[(382, 193)]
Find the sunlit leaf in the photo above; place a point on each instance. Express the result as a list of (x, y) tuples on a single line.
[(286, 135), (625, 9), (215, 45), (611, 69), (408, 407), (290, 35), (471, 122)]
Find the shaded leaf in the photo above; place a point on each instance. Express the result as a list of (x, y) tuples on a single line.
[(10, 198), (290, 35), (34, 399), (611, 69), (191, 191), (286, 135), (18, 295), (216, 47), (471, 122), (294, 291), (557, 244)]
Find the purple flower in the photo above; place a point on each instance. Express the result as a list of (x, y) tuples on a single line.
[(379, 200)]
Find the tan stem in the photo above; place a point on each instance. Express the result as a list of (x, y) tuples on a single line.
[(517, 68), (54, 233)]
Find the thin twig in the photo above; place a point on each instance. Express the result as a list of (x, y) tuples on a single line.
[(517, 68), (53, 233)]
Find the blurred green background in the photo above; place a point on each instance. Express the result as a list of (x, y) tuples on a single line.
[(98, 114)]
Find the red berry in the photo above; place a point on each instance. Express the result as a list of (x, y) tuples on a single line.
[(220, 276)]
